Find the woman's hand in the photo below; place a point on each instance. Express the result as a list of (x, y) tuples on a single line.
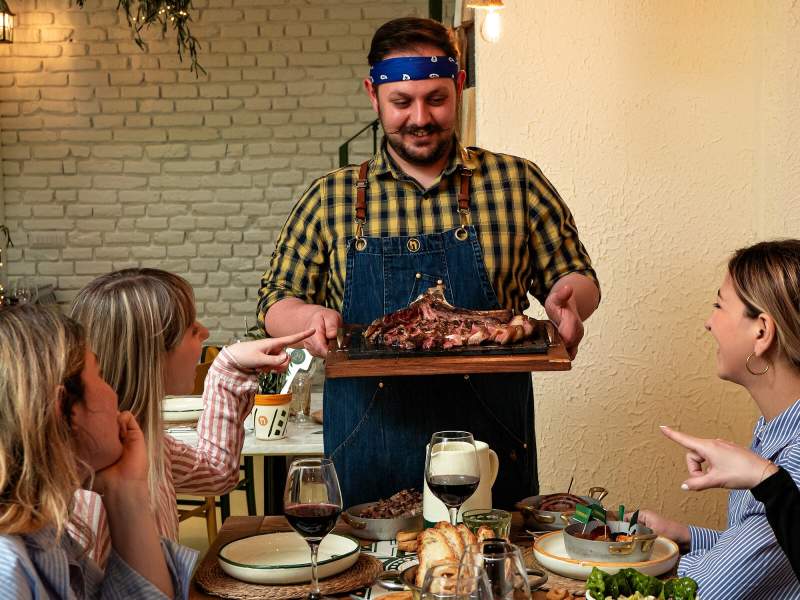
[(131, 468), (719, 464), (267, 354), (677, 532)]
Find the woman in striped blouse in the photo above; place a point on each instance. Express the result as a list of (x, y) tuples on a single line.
[(61, 429), (756, 324), (142, 325)]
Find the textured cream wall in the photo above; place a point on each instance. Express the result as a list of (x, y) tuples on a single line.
[(671, 130)]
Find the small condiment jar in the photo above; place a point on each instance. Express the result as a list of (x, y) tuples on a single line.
[(271, 415)]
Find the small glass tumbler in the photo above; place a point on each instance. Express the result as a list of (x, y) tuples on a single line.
[(499, 521), (300, 410)]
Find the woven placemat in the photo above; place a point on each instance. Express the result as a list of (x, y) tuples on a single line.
[(214, 580)]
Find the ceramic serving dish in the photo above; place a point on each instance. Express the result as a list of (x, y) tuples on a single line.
[(551, 553), (378, 529), (183, 410), (284, 557), (639, 548), (536, 519)]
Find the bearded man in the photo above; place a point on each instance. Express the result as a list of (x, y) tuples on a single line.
[(364, 241)]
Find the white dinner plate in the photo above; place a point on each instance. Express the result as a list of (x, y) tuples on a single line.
[(284, 557), (182, 409), (549, 550)]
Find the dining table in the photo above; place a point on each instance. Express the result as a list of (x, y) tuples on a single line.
[(237, 527), (301, 440)]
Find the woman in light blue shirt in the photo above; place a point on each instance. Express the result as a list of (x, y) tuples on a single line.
[(756, 324), (60, 429)]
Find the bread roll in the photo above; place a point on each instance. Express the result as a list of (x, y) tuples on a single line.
[(432, 547), (466, 535), (453, 538)]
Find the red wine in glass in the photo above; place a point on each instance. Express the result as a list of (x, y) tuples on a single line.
[(312, 502), (453, 490), (452, 471), (312, 521)]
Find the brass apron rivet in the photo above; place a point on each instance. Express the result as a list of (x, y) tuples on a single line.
[(361, 244), (466, 377), (380, 384), (419, 275), (461, 234), (413, 245), (439, 282)]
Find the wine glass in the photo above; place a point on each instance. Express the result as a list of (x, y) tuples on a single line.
[(504, 567), (452, 471), (454, 581), (312, 503)]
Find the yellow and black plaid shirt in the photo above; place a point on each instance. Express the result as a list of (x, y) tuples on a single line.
[(527, 233)]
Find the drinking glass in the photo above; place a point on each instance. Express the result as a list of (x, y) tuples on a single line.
[(504, 567), (312, 502), (22, 292), (452, 471), (454, 581), (300, 411)]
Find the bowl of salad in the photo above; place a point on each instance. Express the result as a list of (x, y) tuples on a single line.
[(630, 584)]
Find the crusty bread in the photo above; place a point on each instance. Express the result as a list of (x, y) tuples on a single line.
[(453, 538), (466, 535), (484, 533), (432, 547)]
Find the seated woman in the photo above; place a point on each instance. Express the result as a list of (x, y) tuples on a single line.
[(731, 467), (61, 429), (756, 323), (142, 325)]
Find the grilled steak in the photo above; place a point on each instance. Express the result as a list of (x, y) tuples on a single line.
[(431, 322)]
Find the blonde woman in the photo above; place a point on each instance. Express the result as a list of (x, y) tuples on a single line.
[(142, 325), (59, 429), (756, 324)]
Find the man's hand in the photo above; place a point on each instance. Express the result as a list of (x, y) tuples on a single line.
[(562, 310), (726, 464), (326, 322)]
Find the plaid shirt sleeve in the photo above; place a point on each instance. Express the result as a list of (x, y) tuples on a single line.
[(299, 265), (555, 247)]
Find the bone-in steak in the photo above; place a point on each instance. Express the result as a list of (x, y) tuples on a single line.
[(431, 322)]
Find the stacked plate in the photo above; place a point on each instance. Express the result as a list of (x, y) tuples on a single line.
[(182, 410), (284, 557)]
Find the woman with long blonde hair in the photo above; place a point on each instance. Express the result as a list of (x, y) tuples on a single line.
[(60, 429), (142, 325), (755, 322)]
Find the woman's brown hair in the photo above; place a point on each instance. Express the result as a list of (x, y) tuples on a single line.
[(766, 277), (133, 318), (42, 354)]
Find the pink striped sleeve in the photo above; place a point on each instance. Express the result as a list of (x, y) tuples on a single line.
[(88, 509), (212, 468)]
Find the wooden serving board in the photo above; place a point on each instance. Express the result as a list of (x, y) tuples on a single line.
[(381, 361)]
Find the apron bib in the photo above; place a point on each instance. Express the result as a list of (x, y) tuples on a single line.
[(376, 428)]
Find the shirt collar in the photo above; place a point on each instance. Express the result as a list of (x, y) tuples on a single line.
[(383, 163), (776, 434)]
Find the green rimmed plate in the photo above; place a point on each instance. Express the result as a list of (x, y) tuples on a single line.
[(284, 557)]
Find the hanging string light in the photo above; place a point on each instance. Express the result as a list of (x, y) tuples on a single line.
[(492, 25)]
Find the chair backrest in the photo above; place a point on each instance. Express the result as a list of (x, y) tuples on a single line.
[(200, 372)]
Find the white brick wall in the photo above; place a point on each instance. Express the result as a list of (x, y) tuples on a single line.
[(112, 157)]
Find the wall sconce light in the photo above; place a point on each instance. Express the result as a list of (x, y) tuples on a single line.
[(6, 23), (492, 25)]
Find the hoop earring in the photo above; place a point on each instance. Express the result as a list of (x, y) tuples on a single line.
[(750, 370)]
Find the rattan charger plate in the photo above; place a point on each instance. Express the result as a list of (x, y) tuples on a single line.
[(214, 580)]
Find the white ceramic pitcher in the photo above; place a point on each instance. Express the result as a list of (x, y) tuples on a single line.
[(434, 510)]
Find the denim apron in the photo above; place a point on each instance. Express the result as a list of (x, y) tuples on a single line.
[(376, 428)]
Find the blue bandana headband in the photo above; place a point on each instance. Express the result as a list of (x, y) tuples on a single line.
[(410, 68)]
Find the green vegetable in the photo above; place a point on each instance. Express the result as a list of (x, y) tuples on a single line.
[(645, 584), (618, 585), (596, 584), (682, 588)]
